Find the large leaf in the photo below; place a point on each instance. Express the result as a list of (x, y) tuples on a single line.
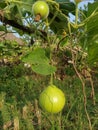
[(60, 13), (37, 56), (93, 53), (39, 62), (44, 69), (92, 25), (92, 33), (66, 6)]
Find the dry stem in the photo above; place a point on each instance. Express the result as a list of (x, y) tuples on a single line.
[(83, 89), (93, 91)]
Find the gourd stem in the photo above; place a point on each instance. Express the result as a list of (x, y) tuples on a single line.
[(76, 15), (51, 79), (49, 42)]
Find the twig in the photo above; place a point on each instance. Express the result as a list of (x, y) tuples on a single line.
[(14, 23), (83, 89), (38, 114), (93, 91), (23, 28), (60, 42)]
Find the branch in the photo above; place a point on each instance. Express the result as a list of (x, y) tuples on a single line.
[(13, 23), (25, 29), (83, 88)]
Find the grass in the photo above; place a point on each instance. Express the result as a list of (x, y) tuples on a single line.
[(19, 108)]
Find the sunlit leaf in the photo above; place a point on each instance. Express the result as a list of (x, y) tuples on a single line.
[(39, 62), (36, 56), (44, 69)]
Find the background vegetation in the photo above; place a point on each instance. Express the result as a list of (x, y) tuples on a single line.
[(56, 46)]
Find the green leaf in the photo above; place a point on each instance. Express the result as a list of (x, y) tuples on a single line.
[(92, 7), (92, 33), (2, 28), (59, 24), (2, 4), (16, 13), (92, 25), (44, 69), (93, 52), (66, 6), (60, 14), (37, 56), (39, 62), (26, 7)]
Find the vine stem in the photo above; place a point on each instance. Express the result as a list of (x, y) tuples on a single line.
[(76, 18), (17, 2), (50, 46), (83, 88), (76, 70), (51, 79), (93, 91)]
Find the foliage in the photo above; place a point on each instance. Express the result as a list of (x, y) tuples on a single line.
[(39, 62), (55, 51), (22, 102)]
